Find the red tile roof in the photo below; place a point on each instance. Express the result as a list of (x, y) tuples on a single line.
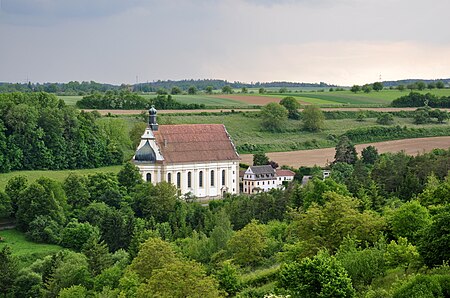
[(195, 143), (285, 173)]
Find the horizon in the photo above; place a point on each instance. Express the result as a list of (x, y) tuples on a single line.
[(343, 42)]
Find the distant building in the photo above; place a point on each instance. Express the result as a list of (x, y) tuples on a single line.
[(264, 178), (199, 159)]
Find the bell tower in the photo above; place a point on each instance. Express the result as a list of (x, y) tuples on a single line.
[(152, 119)]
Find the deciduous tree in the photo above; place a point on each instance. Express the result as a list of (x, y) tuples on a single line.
[(273, 117), (313, 118)]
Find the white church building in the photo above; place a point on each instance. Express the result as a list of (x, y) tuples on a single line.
[(199, 159)]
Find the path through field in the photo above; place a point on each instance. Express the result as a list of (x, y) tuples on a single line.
[(321, 157), (136, 112)]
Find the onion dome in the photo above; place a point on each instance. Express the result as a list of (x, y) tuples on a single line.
[(145, 153)]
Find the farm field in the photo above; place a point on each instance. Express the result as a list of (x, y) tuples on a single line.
[(247, 135), (324, 99), (57, 175), (322, 157), (26, 251)]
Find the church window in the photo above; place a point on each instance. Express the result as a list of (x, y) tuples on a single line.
[(169, 177), (179, 180), (148, 177), (223, 177), (189, 178), (212, 178), (200, 179)]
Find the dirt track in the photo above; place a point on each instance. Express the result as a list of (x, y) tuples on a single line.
[(321, 157), (136, 112)]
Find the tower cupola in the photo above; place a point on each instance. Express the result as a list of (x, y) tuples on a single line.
[(152, 119)]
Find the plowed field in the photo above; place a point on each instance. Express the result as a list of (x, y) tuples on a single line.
[(321, 157)]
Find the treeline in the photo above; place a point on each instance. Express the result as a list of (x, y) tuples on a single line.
[(414, 81), (70, 88), (83, 88), (377, 228), (38, 131), (415, 99), (132, 101)]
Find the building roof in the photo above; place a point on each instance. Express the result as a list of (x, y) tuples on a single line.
[(145, 153), (267, 169), (285, 173), (195, 143)]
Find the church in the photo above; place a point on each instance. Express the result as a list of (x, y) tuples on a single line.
[(199, 159)]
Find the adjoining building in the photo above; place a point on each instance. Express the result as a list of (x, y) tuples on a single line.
[(199, 159), (264, 178)]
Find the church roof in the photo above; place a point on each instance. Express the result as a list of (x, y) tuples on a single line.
[(145, 153), (195, 143)]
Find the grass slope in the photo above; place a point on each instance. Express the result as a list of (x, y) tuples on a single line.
[(26, 251), (57, 175)]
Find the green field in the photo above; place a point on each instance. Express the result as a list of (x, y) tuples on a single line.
[(245, 128), (311, 96), (57, 175), (26, 251)]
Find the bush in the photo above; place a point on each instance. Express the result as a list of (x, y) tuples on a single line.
[(385, 119), (421, 286)]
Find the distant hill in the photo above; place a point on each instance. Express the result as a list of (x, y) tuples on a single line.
[(411, 81), (74, 87)]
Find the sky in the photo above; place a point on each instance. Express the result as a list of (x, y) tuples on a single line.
[(341, 42)]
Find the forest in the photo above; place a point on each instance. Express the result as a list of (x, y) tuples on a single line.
[(379, 227), (38, 131), (415, 99)]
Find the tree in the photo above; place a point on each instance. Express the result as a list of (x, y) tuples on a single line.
[(157, 201), (97, 254), (153, 254), (244, 90), (431, 85), (75, 187), (422, 116), (260, 159), (228, 278), (8, 270), (440, 85), (209, 89), (192, 90), (5, 205), (180, 279), (161, 91), (421, 85), (345, 151), (401, 87), (247, 246), (434, 243), (261, 90), (385, 119), (321, 276), (313, 118), (292, 105), (14, 188), (377, 86), (366, 88), (412, 86), (175, 90), (274, 117), (355, 88), (227, 89), (419, 287), (76, 234), (369, 155), (73, 292), (408, 220), (129, 176)]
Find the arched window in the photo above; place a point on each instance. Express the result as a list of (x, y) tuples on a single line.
[(179, 180), (223, 177), (200, 179), (148, 177), (189, 179), (169, 177), (212, 178)]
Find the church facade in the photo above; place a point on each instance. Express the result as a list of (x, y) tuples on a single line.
[(199, 159)]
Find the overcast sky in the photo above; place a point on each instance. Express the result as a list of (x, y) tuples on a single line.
[(113, 41)]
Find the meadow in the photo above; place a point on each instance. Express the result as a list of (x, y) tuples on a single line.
[(26, 251), (245, 130), (304, 96), (57, 175)]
